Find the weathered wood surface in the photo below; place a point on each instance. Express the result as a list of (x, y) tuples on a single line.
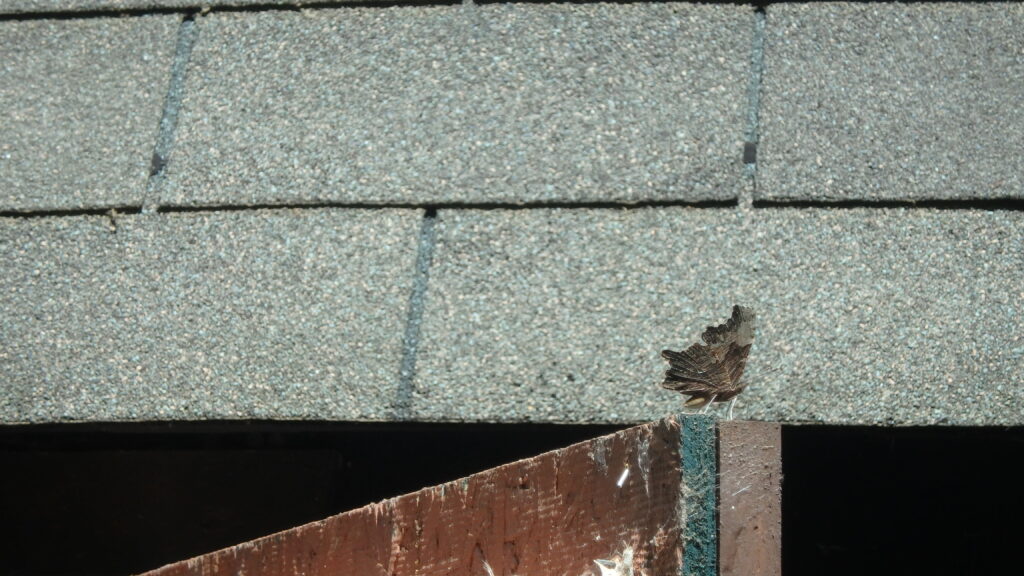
[(750, 498), (620, 498)]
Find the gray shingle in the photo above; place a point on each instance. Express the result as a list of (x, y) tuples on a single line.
[(892, 101), (866, 316), (494, 103), (81, 102), (54, 6), (268, 314)]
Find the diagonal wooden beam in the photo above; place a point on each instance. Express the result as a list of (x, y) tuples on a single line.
[(640, 501)]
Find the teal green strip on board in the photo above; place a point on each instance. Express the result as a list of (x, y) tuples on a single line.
[(700, 474)]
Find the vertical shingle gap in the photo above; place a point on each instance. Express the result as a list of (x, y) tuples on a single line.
[(417, 303), (752, 136), (187, 34)]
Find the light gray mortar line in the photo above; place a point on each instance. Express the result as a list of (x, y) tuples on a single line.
[(187, 34), (417, 303), (752, 136)]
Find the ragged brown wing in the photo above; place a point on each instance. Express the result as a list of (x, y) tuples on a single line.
[(712, 371), (739, 329), (738, 340), (695, 371), (733, 363)]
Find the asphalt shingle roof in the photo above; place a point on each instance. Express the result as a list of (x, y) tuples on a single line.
[(244, 314), (28, 7), (499, 103), (429, 212), (81, 102), (892, 102), (542, 311)]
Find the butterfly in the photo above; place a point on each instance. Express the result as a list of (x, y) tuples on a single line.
[(710, 372)]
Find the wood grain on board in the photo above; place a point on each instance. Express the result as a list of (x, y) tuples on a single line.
[(623, 498)]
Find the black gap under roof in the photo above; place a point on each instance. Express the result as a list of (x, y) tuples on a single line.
[(929, 500), (125, 498)]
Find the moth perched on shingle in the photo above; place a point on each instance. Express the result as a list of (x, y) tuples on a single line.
[(710, 372)]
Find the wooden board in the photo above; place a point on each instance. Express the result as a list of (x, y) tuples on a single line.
[(750, 496), (643, 497)]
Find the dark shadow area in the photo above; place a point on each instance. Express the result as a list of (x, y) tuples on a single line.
[(936, 501), (121, 499)]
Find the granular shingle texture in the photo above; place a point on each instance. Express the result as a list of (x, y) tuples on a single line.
[(892, 101), (866, 316), (497, 103), (263, 314), (55, 6), (81, 101), (357, 301)]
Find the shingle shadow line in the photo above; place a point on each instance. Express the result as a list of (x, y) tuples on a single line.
[(768, 4), (699, 2), (201, 7), (540, 205), (106, 211), (482, 206), (403, 409), (122, 12), (990, 204), (1010, 204), (752, 134), (330, 5), (185, 40)]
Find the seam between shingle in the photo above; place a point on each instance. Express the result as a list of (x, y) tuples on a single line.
[(187, 34), (1004, 203), (71, 14), (204, 7), (456, 205), (402, 409), (752, 136), (988, 204)]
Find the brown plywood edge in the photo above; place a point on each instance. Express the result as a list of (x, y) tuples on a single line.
[(750, 498), (614, 498)]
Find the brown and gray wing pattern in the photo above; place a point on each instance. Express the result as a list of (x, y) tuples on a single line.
[(695, 372), (711, 371), (739, 329)]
